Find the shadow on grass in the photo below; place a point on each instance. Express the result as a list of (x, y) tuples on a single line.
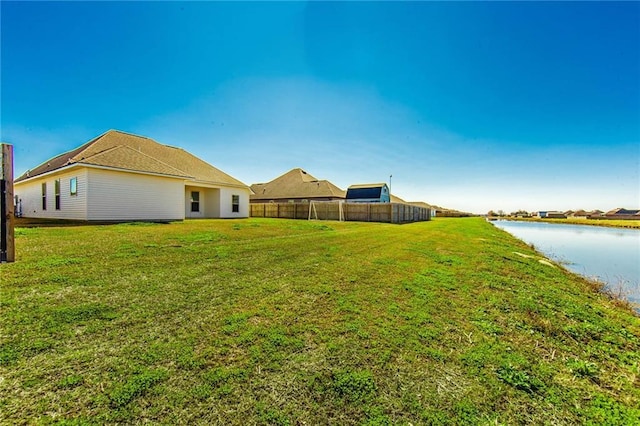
[(27, 222)]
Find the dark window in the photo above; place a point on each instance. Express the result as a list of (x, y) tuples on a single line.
[(57, 193), (44, 196), (195, 201), (235, 203), (73, 186)]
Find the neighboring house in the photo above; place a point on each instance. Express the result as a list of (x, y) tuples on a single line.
[(368, 193), (431, 208), (119, 176), (295, 186), (396, 199)]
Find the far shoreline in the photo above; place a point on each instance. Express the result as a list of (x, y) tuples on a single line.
[(610, 223)]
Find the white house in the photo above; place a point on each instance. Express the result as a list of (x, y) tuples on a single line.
[(120, 177)]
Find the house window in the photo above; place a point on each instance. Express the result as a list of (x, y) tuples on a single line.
[(195, 201), (73, 186), (57, 193), (235, 203), (44, 196)]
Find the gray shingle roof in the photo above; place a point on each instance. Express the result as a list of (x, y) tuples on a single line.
[(296, 183)]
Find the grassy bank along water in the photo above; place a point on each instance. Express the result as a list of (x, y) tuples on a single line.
[(612, 223), (273, 321)]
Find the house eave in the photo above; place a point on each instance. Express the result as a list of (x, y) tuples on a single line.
[(49, 173), (208, 184), (95, 166)]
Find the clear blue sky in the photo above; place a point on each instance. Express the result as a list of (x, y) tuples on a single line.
[(473, 106)]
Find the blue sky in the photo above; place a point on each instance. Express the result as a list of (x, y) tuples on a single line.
[(472, 106)]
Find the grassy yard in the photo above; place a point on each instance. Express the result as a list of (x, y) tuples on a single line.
[(265, 321)]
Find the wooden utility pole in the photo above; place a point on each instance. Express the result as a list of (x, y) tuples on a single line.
[(7, 240)]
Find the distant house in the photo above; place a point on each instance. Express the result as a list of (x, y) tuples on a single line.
[(580, 214), (119, 176), (622, 213), (550, 214), (295, 186), (555, 215), (368, 193)]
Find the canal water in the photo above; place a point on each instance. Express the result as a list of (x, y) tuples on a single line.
[(610, 255)]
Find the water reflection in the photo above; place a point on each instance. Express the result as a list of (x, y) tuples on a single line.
[(611, 255)]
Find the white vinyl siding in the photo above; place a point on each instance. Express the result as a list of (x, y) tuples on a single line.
[(133, 196), (226, 207), (108, 195), (71, 207)]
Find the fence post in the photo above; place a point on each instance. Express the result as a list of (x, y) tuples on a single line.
[(7, 240)]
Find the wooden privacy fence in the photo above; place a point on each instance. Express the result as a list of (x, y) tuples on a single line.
[(357, 212)]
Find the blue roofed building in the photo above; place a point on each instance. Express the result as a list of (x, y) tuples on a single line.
[(368, 193)]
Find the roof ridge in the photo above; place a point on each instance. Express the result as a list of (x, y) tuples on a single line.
[(84, 147), (106, 151), (147, 155), (127, 133), (143, 137)]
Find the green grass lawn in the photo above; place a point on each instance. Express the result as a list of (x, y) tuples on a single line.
[(267, 321)]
